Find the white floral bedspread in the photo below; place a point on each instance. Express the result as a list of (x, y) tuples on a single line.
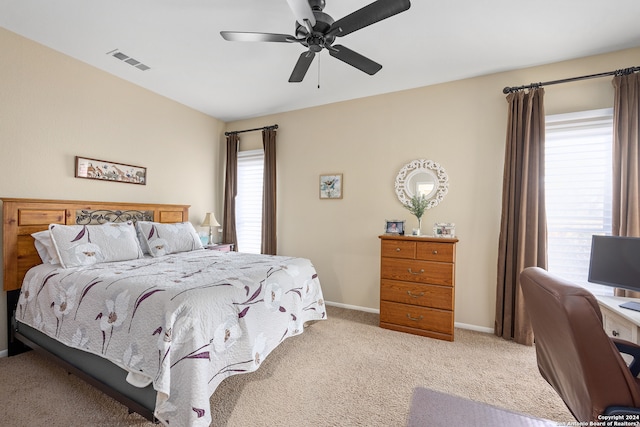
[(183, 322)]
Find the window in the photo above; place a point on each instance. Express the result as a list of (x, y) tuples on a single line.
[(578, 163), (249, 201)]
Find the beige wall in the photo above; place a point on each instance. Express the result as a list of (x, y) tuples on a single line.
[(461, 125), (53, 108)]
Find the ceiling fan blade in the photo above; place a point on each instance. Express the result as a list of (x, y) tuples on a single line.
[(370, 14), (240, 36), (355, 59), (302, 11), (304, 61)]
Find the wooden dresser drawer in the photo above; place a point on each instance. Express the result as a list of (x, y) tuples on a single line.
[(435, 273), (416, 317), (398, 249), (433, 296), (434, 251)]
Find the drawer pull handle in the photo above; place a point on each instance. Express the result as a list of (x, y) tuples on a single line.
[(435, 252), (421, 294), (615, 333), (415, 319), (397, 249), (413, 272)]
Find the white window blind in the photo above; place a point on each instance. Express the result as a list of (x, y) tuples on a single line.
[(249, 201), (578, 190)]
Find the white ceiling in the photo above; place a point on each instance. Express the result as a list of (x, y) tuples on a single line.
[(432, 42)]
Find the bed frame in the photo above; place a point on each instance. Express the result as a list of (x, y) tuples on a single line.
[(21, 218)]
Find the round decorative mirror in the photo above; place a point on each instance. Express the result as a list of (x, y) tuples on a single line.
[(422, 177)]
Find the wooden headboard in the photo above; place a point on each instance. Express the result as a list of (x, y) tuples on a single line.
[(22, 217)]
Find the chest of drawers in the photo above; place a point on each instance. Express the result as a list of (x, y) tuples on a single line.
[(417, 285)]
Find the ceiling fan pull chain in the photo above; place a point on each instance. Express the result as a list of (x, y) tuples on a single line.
[(319, 71)]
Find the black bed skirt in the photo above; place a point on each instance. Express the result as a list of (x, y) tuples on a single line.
[(97, 371)]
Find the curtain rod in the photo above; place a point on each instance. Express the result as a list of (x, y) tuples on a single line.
[(251, 130), (572, 79)]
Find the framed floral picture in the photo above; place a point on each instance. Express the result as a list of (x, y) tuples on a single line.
[(331, 186), (110, 171)]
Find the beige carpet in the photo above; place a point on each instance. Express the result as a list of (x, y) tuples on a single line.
[(345, 371)]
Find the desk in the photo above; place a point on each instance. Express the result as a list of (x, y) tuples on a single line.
[(619, 322)]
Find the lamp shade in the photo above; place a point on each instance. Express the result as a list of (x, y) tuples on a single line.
[(210, 221)]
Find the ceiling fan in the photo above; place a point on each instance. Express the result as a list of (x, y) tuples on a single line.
[(316, 30)]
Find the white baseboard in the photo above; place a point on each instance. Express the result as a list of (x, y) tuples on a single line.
[(4, 353), (373, 310), (473, 327), (352, 307)]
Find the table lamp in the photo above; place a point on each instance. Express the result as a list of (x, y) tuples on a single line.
[(210, 221)]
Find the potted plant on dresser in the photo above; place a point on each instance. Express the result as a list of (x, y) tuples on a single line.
[(417, 205)]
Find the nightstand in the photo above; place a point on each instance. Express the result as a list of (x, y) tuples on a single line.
[(222, 247)]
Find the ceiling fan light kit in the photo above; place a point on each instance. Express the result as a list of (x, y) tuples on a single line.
[(317, 30)]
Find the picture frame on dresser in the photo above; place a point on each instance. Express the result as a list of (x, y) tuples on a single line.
[(394, 226), (444, 229)]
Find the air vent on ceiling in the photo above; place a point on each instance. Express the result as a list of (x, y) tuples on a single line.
[(129, 60)]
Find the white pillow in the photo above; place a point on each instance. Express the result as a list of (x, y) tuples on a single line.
[(160, 239), (78, 245), (45, 247)]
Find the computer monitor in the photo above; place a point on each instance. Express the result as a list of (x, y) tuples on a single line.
[(615, 261)]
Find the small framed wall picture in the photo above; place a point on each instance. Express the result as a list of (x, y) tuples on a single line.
[(331, 186), (110, 171), (394, 226)]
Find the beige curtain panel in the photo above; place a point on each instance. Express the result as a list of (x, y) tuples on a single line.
[(523, 228)]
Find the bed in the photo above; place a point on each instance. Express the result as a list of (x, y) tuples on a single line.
[(158, 325)]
